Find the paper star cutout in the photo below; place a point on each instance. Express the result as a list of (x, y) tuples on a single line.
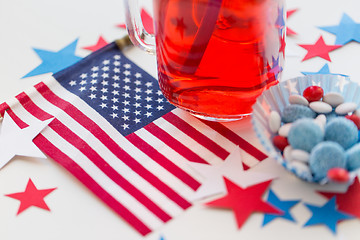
[(284, 206), (232, 168), (347, 202), (319, 49), (100, 43), (17, 141), (324, 70), (31, 197), (147, 21), (244, 201), (53, 62), (347, 30), (121, 25), (326, 214), (289, 31)]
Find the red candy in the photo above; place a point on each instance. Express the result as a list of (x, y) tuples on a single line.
[(313, 93), (338, 175), (280, 142), (355, 119)]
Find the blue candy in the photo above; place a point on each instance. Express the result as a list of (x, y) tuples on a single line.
[(330, 116), (293, 112), (324, 156), (342, 131), (353, 157), (304, 134)]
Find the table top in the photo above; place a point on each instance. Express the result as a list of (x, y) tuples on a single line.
[(75, 212)]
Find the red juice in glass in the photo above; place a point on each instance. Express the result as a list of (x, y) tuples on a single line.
[(216, 56)]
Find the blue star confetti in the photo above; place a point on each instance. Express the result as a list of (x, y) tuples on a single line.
[(324, 70), (347, 30), (53, 62), (327, 215), (284, 206)]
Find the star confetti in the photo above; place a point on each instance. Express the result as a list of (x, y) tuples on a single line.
[(100, 43), (327, 215), (284, 206), (347, 202), (324, 70), (17, 141), (31, 197), (347, 30), (232, 168), (147, 21), (244, 201), (319, 49), (289, 31), (53, 62)]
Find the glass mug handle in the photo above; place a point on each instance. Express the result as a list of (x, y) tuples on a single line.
[(137, 33)]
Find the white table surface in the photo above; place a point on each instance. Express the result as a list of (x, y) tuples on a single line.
[(75, 212)]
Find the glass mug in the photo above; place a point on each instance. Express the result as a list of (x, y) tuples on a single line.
[(214, 57)]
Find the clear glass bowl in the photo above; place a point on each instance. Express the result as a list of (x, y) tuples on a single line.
[(277, 97)]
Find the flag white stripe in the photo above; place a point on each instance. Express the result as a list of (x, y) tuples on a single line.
[(151, 192), (132, 150), (106, 183), (206, 130), (172, 155), (187, 141)]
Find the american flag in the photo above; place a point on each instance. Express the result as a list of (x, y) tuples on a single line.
[(115, 132)]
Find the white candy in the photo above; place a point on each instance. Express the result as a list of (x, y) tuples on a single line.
[(357, 112), (320, 107), (346, 108), (274, 121), (298, 99), (321, 121), (321, 118), (300, 155), (287, 153), (333, 98), (284, 129)]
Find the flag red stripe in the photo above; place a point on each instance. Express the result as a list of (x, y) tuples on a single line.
[(92, 127), (196, 135), (236, 139), (173, 143), (163, 161), (83, 177), (93, 156), (14, 117), (3, 107), (30, 106)]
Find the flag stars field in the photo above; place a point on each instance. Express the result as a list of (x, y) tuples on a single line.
[(119, 91)]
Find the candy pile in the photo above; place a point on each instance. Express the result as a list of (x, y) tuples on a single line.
[(318, 134)]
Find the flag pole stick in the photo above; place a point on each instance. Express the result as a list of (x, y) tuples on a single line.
[(123, 42)]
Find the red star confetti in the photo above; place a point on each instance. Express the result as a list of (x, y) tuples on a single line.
[(319, 49), (147, 21), (244, 201), (100, 43), (347, 202), (289, 31), (31, 197)]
